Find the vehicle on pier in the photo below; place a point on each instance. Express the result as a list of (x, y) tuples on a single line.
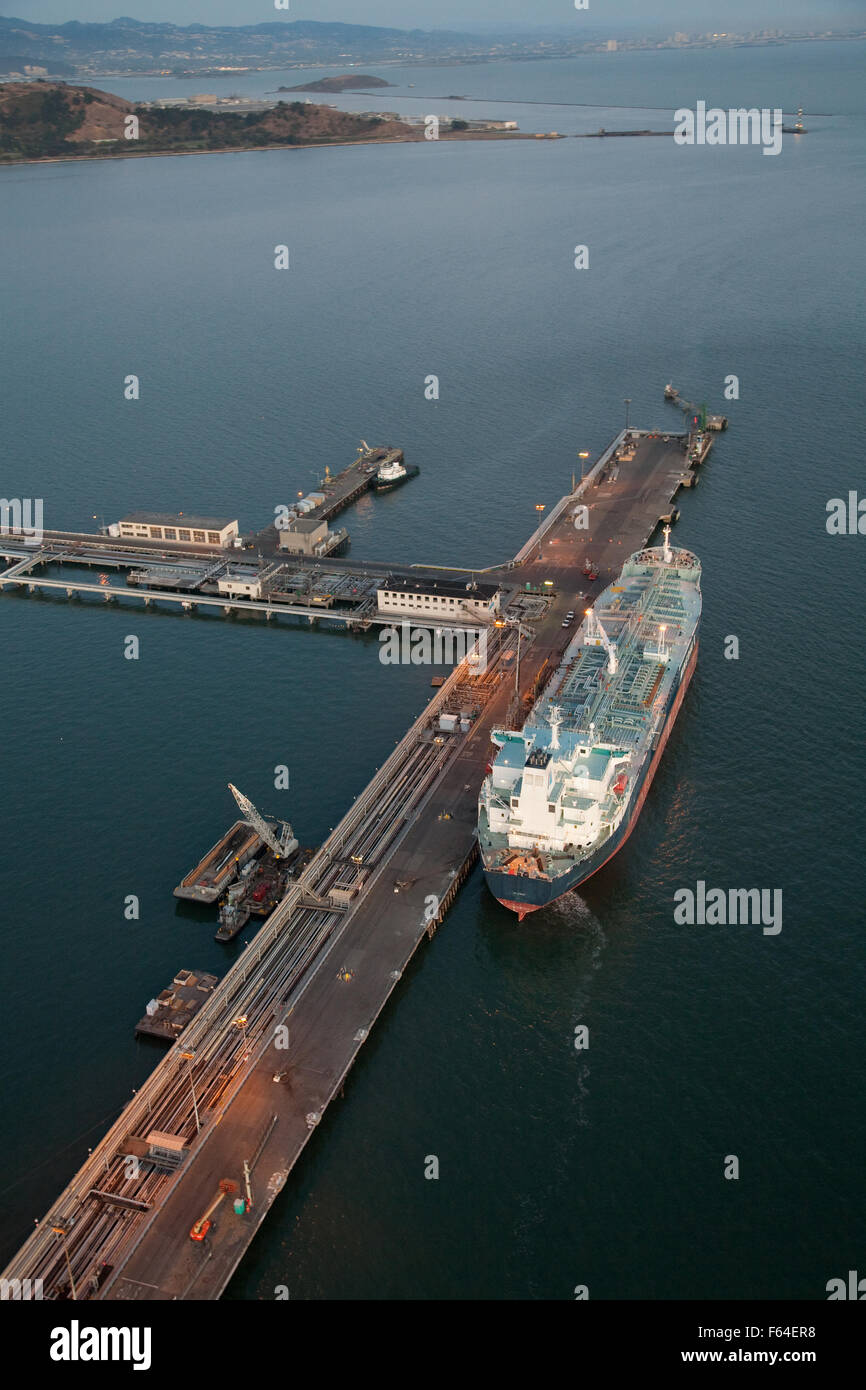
[(206, 1223)]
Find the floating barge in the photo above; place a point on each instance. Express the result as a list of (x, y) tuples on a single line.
[(169, 1013), (221, 865)]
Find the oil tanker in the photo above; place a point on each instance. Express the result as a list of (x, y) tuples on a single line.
[(564, 792)]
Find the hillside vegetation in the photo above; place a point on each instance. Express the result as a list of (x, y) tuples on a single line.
[(41, 120)]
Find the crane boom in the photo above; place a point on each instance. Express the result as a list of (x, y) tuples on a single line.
[(258, 822), (596, 634)]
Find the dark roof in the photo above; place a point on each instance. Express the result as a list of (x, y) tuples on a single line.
[(306, 523), (201, 523), (443, 588)]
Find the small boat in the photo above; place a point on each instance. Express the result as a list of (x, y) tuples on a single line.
[(392, 473)]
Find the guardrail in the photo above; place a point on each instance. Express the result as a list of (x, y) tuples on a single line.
[(550, 520)]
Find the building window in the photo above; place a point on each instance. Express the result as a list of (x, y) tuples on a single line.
[(156, 533), (170, 533), (198, 536), (183, 535), (213, 537)]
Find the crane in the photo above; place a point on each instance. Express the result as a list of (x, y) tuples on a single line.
[(282, 845), (596, 636), (204, 1223)]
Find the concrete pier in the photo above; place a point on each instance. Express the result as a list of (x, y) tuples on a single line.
[(274, 1043)]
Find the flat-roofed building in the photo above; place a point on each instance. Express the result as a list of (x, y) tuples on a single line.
[(441, 598), (302, 535), (240, 583), (180, 528)]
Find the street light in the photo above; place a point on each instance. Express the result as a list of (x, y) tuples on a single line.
[(627, 404), (241, 1022), (190, 1058)]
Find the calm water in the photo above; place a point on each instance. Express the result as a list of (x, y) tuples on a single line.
[(557, 1167)]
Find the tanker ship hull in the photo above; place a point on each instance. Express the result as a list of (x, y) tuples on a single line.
[(564, 793), (522, 894)]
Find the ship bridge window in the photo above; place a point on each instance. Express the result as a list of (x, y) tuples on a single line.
[(515, 801), (551, 808)]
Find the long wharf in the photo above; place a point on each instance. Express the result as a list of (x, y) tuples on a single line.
[(230, 1109)]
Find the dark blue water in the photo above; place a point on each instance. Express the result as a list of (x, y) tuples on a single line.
[(602, 1167)]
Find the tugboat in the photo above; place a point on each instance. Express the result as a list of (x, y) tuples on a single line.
[(393, 471), (234, 913)]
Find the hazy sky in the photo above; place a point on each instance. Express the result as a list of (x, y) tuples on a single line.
[(464, 14)]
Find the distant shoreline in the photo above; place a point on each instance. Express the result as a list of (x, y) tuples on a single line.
[(7, 162), (476, 60)]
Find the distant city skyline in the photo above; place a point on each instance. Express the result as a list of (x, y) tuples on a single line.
[(691, 16)]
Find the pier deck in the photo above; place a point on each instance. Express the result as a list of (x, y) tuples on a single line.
[(327, 972)]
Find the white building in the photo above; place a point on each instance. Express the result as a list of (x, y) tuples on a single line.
[(241, 583), (160, 526), (440, 598)]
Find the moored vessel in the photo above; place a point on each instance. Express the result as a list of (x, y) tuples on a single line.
[(393, 472), (565, 791)]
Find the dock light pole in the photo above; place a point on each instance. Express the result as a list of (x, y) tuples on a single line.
[(241, 1022), (190, 1058), (627, 404), (583, 456), (63, 1232)]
